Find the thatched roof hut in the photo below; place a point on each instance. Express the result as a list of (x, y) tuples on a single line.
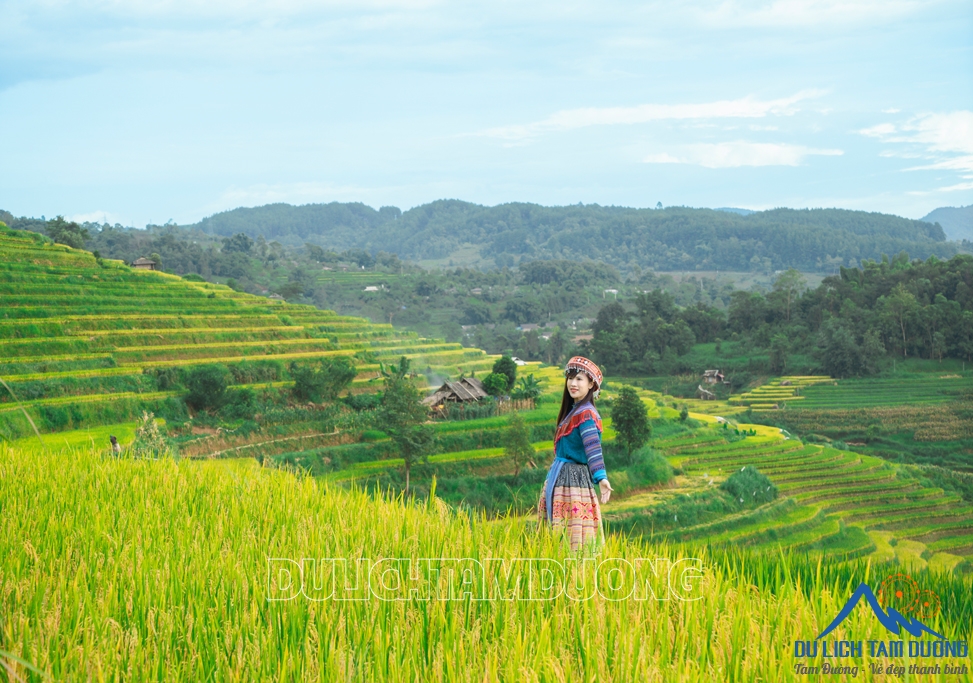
[(145, 264), (461, 391)]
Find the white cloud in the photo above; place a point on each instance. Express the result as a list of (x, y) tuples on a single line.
[(741, 153), (94, 217), (662, 158), (805, 13), (294, 193), (570, 119), (267, 10), (944, 140), (878, 131)]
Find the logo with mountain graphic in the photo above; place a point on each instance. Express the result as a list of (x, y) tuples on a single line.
[(899, 606)]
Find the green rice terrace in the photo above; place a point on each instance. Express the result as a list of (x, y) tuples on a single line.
[(85, 342), (88, 345)]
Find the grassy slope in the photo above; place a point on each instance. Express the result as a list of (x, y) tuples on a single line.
[(159, 569), (77, 336)]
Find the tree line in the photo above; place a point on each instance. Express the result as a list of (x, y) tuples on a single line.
[(671, 238), (853, 323)]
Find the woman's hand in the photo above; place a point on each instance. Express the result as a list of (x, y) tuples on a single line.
[(606, 490)]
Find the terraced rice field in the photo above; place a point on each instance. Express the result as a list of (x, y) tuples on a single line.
[(830, 500), (930, 389), (75, 331), (114, 569), (778, 392), (80, 339)]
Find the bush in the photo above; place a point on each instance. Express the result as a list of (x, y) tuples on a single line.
[(241, 404), (516, 442), (166, 378), (207, 386), (322, 380), (370, 435), (506, 366), (495, 384), (149, 442), (630, 419), (193, 277), (253, 372), (650, 468), (362, 402), (750, 487)]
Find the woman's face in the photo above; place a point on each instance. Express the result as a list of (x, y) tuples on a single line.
[(579, 385)]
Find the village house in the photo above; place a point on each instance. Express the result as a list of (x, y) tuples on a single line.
[(463, 390), (714, 377), (145, 264)]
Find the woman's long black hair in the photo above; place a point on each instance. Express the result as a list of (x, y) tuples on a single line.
[(567, 403)]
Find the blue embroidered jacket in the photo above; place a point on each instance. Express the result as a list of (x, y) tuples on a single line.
[(583, 445)]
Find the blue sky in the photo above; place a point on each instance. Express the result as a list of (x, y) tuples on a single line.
[(146, 111)]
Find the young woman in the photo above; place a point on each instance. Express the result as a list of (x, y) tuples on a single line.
[(569, 499)]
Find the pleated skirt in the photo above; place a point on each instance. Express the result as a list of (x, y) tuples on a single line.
[(569, 501)]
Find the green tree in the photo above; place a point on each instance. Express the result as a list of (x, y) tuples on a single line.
[(291, 290), (938, 345), (684, 414), (516, 442), (779, 348), (239, 243), (965, 333), (556, 346), (528, 387), (837, 351), (630, 419), (900, 307), (495, 384), (321, 380), (402, 415), (207, 386), (505, 365), (789, 284), (67, 232), (872, 352)]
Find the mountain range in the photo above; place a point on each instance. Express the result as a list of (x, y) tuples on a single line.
[(453, 232)]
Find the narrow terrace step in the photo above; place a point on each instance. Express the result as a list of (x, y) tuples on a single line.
[(814, 495)]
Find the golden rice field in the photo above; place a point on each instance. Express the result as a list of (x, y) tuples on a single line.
[(158, 570)]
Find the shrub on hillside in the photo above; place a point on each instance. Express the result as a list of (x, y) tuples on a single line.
[(630, 419), (495, 384), (361, 402), (750, 487), (149, 442), (506, 366), (321, 380), (240, 404), (207, 386), (253, 372), (516, 442), (649, 468)]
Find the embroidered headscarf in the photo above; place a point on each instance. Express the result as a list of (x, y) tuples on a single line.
[(587, 367), (584, 410)]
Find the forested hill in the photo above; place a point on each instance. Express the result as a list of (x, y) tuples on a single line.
[(674, 238), (957, 222)]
